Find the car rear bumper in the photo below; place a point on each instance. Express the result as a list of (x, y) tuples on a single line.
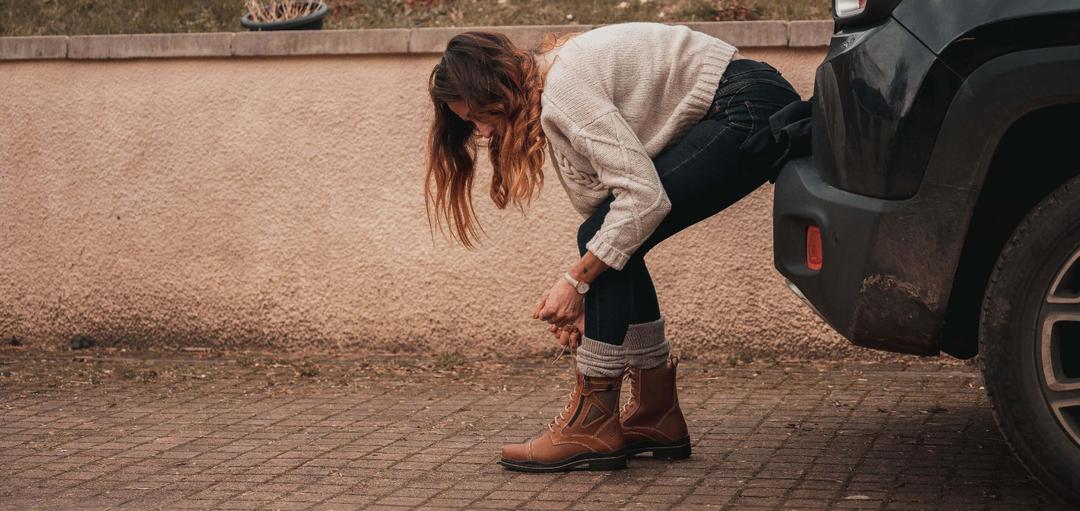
[(854, 291)]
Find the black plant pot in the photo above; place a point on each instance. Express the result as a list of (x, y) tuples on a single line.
[(312, 21)]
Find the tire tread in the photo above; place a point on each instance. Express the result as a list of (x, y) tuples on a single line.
[(1003, 391)]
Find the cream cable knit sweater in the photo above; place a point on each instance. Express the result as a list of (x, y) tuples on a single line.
[(613, 99)]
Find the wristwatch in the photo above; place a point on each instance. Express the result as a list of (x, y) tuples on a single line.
[(581, 287)]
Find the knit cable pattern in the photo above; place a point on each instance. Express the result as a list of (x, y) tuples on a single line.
[(587, 180)]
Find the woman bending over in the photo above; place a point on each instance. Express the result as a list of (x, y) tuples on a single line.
[(645, 124)]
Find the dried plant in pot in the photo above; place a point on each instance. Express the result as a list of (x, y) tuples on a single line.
[(284, 15)]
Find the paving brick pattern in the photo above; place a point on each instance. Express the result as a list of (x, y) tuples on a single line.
[(791, 437)]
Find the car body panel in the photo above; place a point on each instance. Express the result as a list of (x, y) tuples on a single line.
[(881, 285), (864, 93), (893, 82), (889, 264), (940, 23), (987, 105)]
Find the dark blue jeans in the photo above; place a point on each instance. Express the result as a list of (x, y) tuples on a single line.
[(702, 175)]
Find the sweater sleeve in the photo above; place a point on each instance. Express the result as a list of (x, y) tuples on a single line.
[(622, 164)]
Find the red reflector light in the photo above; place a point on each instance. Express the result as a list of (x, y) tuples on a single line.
[(814, 257)]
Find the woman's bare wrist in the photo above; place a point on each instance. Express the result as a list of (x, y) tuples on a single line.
[(588, 268)]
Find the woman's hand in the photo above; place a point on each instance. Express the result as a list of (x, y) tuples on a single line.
[(560, 306), (570, 335)]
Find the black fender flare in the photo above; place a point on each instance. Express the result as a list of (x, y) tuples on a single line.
[(990, 100)]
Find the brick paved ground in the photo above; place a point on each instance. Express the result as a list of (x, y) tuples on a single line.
[(262, 434)]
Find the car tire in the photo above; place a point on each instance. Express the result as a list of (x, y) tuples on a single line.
[(1029, 368)]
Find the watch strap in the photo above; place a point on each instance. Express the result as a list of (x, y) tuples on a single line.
[(574, 282), (570, 278)]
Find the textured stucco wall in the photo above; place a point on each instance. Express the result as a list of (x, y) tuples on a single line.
[(276, 203)]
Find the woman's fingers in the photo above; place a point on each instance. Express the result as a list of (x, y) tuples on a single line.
[(567, 335), (540, 306), (548, 312), (567, 320), (564, 317), (564, 337)]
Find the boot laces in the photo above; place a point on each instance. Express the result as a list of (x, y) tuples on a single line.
[(631, 375), (562, 415), (569, 398)]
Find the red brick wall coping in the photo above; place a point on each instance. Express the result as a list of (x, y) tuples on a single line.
[(361, 42)]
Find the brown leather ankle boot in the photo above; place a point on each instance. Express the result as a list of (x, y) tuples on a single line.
[(585, 435), (651, 419)]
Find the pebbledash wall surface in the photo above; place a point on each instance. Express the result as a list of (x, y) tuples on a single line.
[(263, 191)]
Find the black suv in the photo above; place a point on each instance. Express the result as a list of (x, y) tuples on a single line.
[(940, 211)]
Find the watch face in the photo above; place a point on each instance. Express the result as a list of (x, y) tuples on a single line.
[(583, 288)]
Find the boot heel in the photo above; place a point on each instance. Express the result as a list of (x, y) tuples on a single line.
[(608, 464), (680, 452)]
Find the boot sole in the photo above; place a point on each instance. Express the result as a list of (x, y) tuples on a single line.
[(677, 450), (584, 461)]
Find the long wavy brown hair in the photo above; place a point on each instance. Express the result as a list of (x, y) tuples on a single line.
[(501, 85)]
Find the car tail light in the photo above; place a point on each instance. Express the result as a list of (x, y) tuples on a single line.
[(848, 8), (849, 13), (814, 256)]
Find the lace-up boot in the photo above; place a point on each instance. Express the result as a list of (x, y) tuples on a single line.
[(585, 435), (651, 418)]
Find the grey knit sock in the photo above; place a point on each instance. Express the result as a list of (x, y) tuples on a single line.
[(600, 359), (646, 346)]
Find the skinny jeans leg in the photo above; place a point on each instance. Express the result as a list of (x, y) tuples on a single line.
[(702, 175)]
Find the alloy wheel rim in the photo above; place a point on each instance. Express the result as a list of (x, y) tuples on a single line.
[(1059, 346)]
